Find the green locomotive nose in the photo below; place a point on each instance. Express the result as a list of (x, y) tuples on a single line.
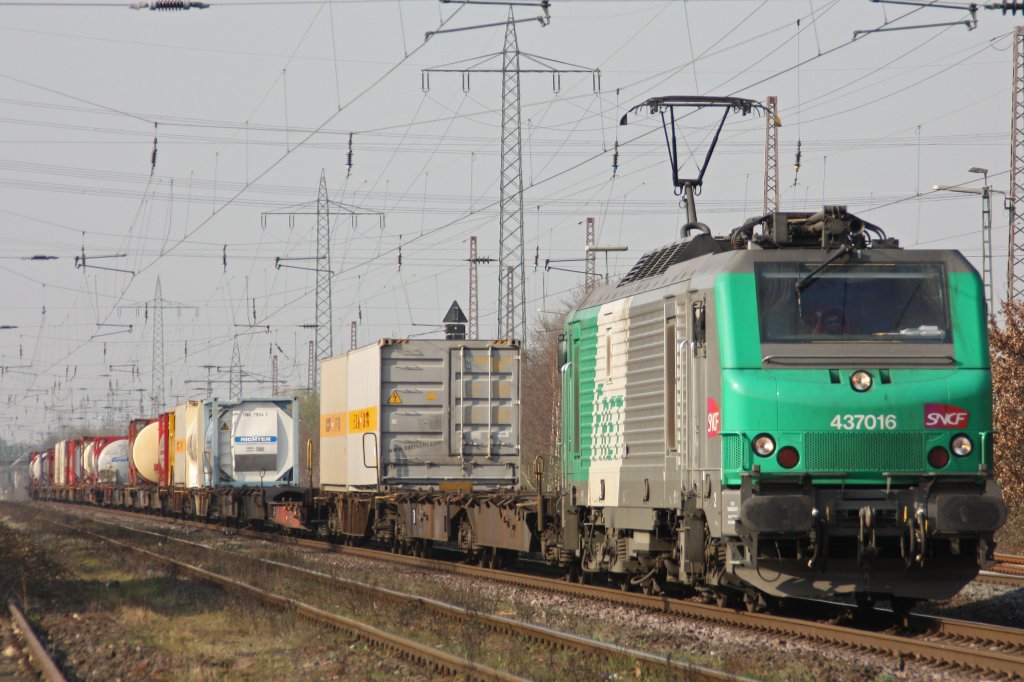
[(907, 422), (873, 373)]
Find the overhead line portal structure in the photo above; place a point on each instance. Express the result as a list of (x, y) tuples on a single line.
[(324, 339), (511, 247)]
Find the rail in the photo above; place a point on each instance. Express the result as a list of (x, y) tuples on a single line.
[(1008, 661), (36, 650), (650, 663)]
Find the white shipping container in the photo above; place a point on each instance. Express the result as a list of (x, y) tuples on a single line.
[(427, 414)]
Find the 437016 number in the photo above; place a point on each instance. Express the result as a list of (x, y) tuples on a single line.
[(864, 422)]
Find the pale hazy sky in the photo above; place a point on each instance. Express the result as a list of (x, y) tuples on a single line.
[(252, 100)]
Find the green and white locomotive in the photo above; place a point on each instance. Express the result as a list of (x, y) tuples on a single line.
[(801, 408)]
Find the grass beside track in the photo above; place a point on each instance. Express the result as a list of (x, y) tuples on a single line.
[(781, 661), (109, 615)]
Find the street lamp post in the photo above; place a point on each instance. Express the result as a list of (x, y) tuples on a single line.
[(986, 235), (986, 193)]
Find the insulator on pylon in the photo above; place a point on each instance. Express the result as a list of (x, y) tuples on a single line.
[(796, 163), (349, 162), (615, 160), (1006, 7), (152, 168), (168, 5)]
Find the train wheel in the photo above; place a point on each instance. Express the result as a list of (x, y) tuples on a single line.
[(901, 607), (865, 601), (753, 602), (725, 598)]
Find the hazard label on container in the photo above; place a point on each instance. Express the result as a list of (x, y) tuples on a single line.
[(394, 398)]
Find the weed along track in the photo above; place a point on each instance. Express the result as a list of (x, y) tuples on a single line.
[(446, 637), (110, 613), (966, 646)]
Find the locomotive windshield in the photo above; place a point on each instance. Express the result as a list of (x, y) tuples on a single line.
[(882, 302)]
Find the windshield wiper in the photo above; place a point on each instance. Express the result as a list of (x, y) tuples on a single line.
[(809, 279)]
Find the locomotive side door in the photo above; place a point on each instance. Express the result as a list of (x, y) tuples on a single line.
[(681, 358), (696, 359)]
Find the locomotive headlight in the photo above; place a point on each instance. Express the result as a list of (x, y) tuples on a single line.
[(764, 445), (860, 381), (961, 445)]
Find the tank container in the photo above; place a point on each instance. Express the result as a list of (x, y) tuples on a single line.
[(112, 463), (248, 442), (145, 453), (89, 459), (179, 439)]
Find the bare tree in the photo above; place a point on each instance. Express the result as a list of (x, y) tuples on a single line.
[(1007, 352), (542, 392)]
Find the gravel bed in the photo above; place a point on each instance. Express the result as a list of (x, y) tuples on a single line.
[(983, 603), (109, 616), (754, 654)]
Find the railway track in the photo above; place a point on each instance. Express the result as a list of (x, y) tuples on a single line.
[(941, 641), (636, 662), (1008, 570), (37, 651)]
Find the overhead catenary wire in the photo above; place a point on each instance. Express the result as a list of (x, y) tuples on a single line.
[(409, 259)]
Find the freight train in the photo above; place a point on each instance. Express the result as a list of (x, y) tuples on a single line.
[(800, 408)]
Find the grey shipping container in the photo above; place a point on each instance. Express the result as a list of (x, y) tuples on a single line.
[(426, 414)]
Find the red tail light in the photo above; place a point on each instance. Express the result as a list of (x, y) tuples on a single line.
[(938, 457), (788, 457)]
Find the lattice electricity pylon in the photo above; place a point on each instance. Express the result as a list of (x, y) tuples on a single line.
[(511, 247), (771, 156), (273, 376), (313, 370), (157, 307), (235, 387), (474, 288), (1015, 262), (510, 294), (324, 346), (590, 279), (474, 291)]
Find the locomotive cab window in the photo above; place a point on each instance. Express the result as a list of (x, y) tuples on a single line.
[(874, 302)]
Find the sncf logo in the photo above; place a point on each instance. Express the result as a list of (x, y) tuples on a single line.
[(714, 418), (938, 416)]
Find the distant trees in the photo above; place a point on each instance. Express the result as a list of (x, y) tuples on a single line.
[(1007, 352), (542, 393)]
